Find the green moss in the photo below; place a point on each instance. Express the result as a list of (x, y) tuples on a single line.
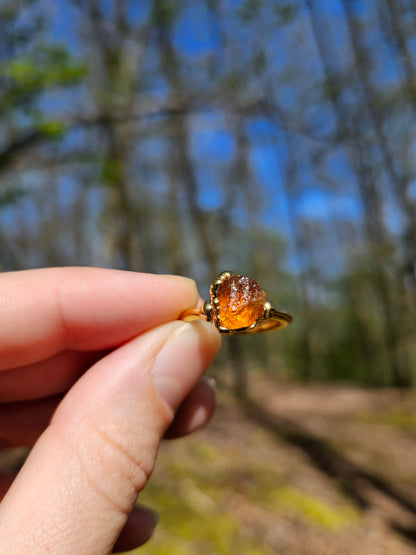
[(204, 451), (394, 418), (193, 527), (191, 490), (314, 509), (188, 492)]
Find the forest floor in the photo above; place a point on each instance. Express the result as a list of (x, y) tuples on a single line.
[(302, 470), (297, 470)]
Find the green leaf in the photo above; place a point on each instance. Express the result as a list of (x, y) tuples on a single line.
[(249, 9), (11, 196), (52, 128), (47, 68), (285, 13), (164, 13), (259, 62)]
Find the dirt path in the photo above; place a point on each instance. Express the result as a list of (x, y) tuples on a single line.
[(299, 470), (361, 446), (316, 470)]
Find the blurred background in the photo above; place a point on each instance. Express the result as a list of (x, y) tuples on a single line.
[(275, 139)]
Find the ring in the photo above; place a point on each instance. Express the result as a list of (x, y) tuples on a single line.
[(238, 305)]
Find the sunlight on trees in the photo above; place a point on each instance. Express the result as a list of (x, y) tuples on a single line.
[(272, 139)]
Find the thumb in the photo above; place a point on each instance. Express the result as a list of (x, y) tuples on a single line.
[(81, 480)]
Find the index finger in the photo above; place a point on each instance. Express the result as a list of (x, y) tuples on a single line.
[(43, 312)]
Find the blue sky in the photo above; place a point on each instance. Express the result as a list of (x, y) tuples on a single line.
[(294, 77)]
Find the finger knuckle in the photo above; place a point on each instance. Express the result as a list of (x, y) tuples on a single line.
[(113, 464)]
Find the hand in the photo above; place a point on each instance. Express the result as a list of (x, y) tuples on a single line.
[(93, 368)]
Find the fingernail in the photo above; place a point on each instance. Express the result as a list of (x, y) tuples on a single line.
[(152, 515), (211, 381), (182, 360), (138, 529)]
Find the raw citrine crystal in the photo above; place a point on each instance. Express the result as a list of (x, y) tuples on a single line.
[(240, 302)]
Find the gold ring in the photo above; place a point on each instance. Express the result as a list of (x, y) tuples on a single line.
[(238, 305)]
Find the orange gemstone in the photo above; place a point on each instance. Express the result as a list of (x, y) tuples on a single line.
[(241, 302)]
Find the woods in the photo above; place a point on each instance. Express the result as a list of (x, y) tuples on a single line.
[(272, 139)]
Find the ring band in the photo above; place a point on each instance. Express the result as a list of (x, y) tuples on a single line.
[(238, 305)]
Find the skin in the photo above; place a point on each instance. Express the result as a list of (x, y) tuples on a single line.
[(95, 369)]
